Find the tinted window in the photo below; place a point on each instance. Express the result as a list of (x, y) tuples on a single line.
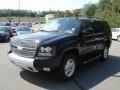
[(61, 25), (106, 27), (98, 27), (86, 25)]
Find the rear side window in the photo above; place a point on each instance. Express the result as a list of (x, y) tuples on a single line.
[(86, 25), (106, 27), (98, 27)]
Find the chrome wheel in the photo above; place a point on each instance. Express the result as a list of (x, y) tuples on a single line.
[(106, 51), (69, 68)]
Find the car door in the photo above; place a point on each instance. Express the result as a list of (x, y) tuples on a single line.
[(99, 35), (86, 41)]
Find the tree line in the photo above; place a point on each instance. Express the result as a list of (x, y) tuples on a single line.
[(22, 13), (105, 9), (29, 13)]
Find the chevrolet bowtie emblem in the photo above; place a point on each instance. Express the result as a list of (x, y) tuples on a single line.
[(19, 48)]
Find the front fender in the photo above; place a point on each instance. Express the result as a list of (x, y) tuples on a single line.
[(68, 46)]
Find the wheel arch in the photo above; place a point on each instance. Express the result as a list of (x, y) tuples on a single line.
[(73, 51)]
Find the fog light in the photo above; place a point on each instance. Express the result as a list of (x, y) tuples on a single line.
[(46, 69)]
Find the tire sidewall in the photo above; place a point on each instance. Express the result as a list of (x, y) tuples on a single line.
[(62, 67), (103, 52)]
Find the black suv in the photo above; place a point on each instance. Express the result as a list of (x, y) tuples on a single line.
[(61, 45)]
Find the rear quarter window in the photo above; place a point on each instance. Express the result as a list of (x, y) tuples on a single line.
[(106, 27)]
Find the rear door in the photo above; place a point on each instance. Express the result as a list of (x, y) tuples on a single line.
[(87, 47), (99, 35)]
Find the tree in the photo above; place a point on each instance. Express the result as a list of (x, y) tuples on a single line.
[(68, 13), (89, 9), (77, 12), (103, 3), (59, 14), (110, 11)]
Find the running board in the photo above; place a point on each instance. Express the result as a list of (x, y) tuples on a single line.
[(92, 59)]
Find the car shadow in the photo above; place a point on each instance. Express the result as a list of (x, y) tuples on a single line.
[(47, 80), (93, 74), (4, 41), (88, 76)]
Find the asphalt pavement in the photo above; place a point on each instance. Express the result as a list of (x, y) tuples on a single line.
[(93, 76)]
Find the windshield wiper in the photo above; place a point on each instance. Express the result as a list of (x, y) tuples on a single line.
[(50, 31), (44, 30)]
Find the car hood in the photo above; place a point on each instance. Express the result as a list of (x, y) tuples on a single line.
[(43, 36)]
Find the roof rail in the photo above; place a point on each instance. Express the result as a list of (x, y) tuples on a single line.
[(93, 17)]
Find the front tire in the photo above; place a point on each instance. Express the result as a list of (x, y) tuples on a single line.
[(68, 68)]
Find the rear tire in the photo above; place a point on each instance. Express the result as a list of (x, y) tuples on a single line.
[(68, 68), (105, 54)]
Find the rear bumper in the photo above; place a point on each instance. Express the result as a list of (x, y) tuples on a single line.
[(35, 65)]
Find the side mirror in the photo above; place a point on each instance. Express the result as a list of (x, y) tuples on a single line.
[(87, 31)]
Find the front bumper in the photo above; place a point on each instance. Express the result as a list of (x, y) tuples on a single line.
[(24, 63), (35, 65)]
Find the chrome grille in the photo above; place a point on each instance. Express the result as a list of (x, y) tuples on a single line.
[(28, 48), (24, 43)]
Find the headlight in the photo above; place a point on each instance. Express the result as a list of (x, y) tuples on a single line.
[(47, 51)]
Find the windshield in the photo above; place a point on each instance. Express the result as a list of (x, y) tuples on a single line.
[(4, 28), (23, 29), (61, 25)]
